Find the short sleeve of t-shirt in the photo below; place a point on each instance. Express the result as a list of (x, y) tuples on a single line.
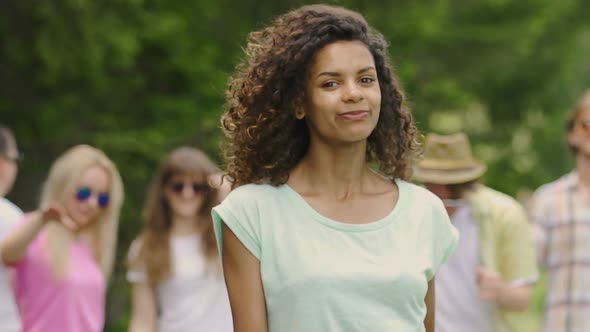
[(136, 272), (10, 215), (239, 211), (440, 234)]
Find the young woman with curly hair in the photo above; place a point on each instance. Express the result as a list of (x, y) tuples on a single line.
[(322, 233), (174, 267)]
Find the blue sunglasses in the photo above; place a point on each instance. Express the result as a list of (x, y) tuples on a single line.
[(84, 194)]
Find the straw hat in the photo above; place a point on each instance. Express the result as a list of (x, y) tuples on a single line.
[(448, 160)]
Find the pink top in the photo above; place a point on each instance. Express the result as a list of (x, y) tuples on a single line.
[(46, 304)]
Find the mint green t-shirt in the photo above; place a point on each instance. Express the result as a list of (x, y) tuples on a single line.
[(321, 275)]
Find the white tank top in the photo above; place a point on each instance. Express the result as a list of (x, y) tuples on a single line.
[(193, 298)]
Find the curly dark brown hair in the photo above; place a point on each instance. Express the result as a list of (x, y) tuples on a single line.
[(264, 138)]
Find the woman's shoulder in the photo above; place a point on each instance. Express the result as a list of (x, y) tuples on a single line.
[(9, 213), (134, 251), (253, 192), (250, 199), (417, 194)]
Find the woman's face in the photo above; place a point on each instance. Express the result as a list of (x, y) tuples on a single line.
[(344, 94), (186, 194), (579, 136), (90, 196)]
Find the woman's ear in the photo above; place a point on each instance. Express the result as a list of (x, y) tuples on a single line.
[(299, 114)]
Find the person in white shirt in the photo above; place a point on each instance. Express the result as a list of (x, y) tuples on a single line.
[(174, 268), (9, 214)]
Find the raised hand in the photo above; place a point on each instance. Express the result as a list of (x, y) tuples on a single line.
[(56, 212)]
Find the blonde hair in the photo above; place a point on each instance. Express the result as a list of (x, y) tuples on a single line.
[(60, 185)]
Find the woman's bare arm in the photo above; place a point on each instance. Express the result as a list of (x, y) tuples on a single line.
[(244, 285), (143, 308), (15, 244), (429, 301)]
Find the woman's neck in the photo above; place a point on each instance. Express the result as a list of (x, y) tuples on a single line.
[(84, 236), (183, 226), (340, 170), (583, 169)]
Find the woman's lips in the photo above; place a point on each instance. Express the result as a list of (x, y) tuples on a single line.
[(354, 115)]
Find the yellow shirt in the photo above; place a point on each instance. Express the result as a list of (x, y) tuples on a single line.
[(506, 246)]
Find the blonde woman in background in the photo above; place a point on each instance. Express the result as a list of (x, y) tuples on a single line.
[(63, 253), (175, 273)]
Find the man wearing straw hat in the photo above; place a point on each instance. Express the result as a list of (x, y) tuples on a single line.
[(491, 274)]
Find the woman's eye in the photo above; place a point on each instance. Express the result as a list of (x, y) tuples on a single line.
[(367, 80), (329, 84)]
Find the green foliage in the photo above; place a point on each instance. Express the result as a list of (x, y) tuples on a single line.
[(138, 77)]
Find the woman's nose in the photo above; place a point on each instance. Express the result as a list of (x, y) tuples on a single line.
[(352, 93)]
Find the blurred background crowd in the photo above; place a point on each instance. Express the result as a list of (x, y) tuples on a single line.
[(137, 78)]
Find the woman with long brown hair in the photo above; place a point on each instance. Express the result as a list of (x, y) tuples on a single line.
[(173, 264)]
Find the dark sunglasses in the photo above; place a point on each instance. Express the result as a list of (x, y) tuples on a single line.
[(84, 194), (198, 188)]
